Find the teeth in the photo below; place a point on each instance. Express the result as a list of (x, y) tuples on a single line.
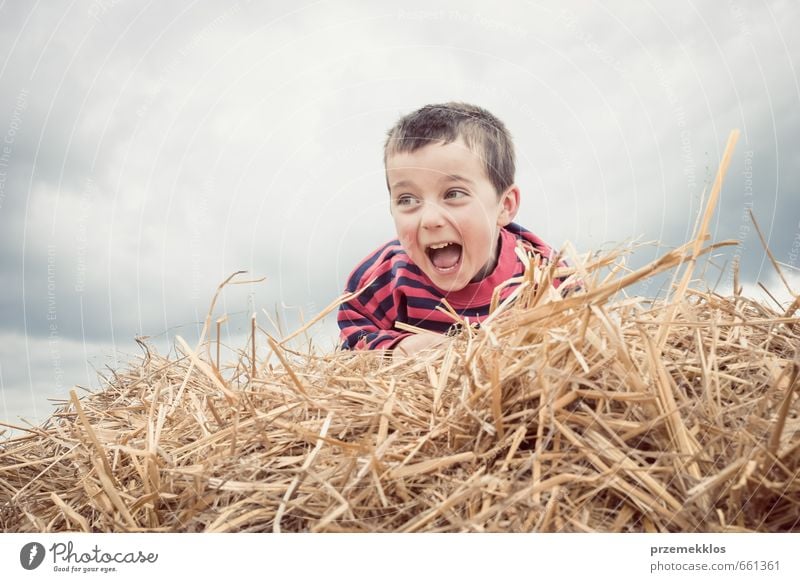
[(440, 246)]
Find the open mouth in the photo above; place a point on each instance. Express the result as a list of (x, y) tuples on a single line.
[(445, 257)]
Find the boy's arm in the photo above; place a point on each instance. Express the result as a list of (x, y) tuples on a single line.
[(365, 321), (361, 330), (360, 334), (415, 343)]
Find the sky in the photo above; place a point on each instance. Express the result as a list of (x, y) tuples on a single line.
[(149, 150)]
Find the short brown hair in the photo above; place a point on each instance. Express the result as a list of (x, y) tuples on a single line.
[(483, 133)]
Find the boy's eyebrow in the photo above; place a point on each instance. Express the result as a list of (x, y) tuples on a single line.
[(457, 178), (401, 184), (445, 178)]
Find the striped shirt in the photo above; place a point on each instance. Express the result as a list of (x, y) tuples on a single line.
[(400, 292)]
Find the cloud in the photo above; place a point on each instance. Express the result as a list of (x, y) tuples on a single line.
[(36, 372)]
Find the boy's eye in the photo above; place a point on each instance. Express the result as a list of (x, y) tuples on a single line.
[(455, 194), (405, 200)]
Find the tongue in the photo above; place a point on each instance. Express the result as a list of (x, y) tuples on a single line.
[(446, 257)]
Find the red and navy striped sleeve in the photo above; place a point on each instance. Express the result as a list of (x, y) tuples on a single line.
[(367, 321)]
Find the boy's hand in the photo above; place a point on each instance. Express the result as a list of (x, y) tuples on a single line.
[(416, 343)]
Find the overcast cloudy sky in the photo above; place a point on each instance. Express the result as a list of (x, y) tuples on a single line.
[(147, 150)]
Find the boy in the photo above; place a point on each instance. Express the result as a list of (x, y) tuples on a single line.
[(450, 174)]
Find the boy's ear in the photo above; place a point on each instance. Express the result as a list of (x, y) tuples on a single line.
[(509, 205)]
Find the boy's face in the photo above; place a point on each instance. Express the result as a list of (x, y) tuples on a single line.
[(447, 212)]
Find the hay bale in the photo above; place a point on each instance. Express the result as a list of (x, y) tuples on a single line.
[(576, 414), (594, 412)]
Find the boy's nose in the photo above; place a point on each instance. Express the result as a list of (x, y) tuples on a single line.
[(433, 216)]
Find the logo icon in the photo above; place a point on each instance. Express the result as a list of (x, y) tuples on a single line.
[(31, 555)]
